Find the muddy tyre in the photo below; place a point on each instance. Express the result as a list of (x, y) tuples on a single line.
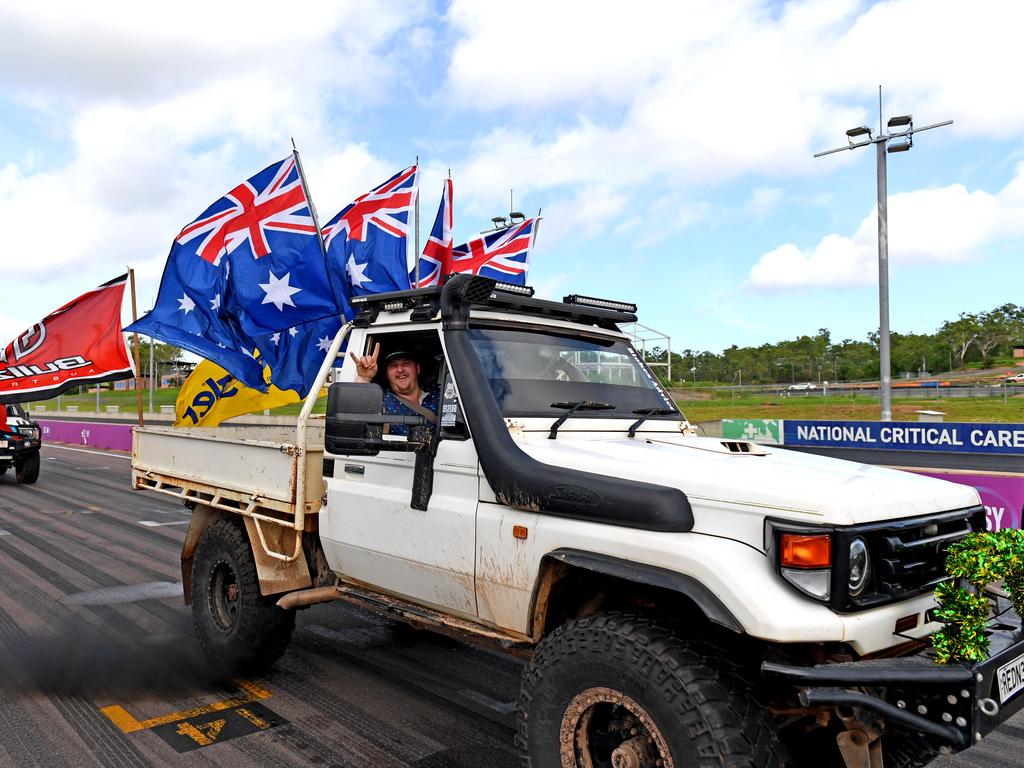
[(27, 471), (621, 689), (235, 624)]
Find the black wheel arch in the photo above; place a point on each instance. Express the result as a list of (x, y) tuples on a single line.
[(558, 567)]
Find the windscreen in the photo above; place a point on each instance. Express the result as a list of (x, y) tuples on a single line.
[(539, 373)]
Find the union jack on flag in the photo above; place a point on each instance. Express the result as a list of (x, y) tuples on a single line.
[(272, 200), (503, 255), (386, 207), (368, 240), (437, 252), (251, 265)]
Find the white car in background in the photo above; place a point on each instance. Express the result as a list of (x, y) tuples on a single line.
[(1017, 378), (804, 387)]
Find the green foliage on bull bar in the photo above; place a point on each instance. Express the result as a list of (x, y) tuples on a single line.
[(975, 562)]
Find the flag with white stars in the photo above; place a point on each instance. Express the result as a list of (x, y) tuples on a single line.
[(295, 354), (367, 242), (251, 265)]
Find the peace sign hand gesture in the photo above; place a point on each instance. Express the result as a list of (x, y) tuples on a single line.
[(366, 365)]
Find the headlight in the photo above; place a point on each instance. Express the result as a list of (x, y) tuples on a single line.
[(806, 563), (860, 566)]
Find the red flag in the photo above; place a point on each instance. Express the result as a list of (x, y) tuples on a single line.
[(80, 343)]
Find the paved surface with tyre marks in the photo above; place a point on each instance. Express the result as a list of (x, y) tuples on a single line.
[(101, 668)]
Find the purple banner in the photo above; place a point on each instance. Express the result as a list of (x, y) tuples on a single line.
[(1002, 495), (89, 433)]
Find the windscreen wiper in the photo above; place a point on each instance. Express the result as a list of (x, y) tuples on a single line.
[(645, 414), (575, 405)]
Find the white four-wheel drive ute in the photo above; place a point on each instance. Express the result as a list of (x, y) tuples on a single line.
[(680, 600)]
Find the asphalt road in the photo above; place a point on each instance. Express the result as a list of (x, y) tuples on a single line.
[(100, 666)]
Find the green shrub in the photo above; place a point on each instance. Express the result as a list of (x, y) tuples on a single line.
[(975, 562)]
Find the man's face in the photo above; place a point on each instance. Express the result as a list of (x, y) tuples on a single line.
[(403, 376)]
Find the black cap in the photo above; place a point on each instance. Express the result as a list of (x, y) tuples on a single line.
[(400, 354)]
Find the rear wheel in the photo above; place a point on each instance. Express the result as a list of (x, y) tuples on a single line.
[(617, 690), (235, 624), (27, 471)]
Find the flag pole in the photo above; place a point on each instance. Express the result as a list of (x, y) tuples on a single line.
[(416, 254), (309, 199), (313, 214), (135, 345), (536, 228)]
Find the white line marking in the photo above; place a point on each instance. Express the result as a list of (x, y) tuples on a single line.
[(82, 450), (125, 593), (155, 524), (503, 707), (4, 532)]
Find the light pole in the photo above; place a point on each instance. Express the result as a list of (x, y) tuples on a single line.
[(904, 133)]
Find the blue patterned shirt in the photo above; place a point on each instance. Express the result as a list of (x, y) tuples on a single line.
[(393, 404)]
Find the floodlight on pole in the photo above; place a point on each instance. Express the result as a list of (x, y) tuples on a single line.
[(904, 133)]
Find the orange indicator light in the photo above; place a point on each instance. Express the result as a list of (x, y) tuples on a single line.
[(800, 551), (520, 531)]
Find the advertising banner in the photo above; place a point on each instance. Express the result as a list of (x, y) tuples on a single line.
[(1002, 495), (907, 436), (88, 433), (755, 430)]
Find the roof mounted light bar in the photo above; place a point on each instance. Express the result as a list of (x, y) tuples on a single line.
[(520, 290), (590, 301), (497, 285)]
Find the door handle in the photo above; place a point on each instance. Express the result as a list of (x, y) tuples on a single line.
[(355, 469)]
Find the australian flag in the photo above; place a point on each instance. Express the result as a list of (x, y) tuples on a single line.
[(367, 241), (503, 255), (295, 355), (251, 265), (435, 261)]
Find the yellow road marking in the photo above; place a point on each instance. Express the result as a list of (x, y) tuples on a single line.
[(203, 735), (253, 718), (124, 720)]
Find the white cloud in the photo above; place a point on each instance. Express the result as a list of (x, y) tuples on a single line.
[(763, 201), (676, 96), (166, 108), (930, 226)]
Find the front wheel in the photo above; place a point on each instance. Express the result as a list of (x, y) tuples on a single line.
[(235, 624), (27, 470), (615, 689)]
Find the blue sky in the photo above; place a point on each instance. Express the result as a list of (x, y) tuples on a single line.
[(669, 144)]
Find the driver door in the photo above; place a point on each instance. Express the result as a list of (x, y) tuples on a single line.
[(374, 536)]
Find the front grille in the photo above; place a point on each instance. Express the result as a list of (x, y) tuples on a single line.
[(908, 557), (913, 560)]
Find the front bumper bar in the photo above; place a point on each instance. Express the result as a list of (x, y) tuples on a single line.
[(15, 448), (954, 704)]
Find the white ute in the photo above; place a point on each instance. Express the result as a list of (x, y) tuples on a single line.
[(681, 600)]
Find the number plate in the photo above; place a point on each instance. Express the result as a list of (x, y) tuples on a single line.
[(1011, 679)]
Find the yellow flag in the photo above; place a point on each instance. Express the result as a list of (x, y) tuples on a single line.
[(210, 395)]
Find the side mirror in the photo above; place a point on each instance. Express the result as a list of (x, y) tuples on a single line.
[(355, 424)]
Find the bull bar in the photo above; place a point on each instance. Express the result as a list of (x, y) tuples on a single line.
[(955, 704)]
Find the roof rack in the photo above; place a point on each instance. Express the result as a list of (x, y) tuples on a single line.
[(481, 292)]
